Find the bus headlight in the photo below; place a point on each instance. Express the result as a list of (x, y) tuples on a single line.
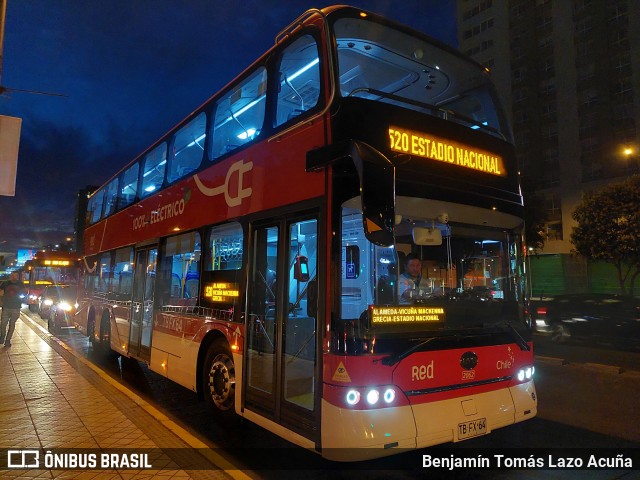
[(364, 398), (389, 395), (525, 373), (353, 397), (373, 396)]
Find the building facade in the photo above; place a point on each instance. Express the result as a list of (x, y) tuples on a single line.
[(568, 73)]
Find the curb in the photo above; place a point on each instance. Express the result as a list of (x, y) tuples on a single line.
[(599, 367)]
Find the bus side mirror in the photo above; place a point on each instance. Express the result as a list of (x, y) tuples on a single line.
[(377, 192), (301, 269)]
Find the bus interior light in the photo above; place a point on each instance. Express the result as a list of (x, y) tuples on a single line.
[(249, 132)]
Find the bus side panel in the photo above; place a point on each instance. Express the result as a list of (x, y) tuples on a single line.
[(176, 344), (263, 176)]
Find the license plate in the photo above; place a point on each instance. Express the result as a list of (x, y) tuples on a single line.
[(471, 429)]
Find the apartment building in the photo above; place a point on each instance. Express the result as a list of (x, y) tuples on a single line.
[(568, 73)]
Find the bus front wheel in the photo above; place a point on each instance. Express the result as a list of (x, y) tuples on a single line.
[(219, 380)]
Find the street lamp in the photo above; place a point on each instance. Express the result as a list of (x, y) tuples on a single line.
[(630, 156)]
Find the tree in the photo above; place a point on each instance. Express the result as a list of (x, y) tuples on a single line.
[(534, 221), (609, 229)]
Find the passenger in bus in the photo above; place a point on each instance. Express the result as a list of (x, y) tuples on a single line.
[(409, 280)]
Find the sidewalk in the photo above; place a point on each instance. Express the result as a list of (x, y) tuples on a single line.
[(52, 401)]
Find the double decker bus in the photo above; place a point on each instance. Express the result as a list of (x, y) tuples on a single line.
[(49, 267), (252, 254)]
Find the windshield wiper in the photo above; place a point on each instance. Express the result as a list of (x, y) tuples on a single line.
[(393, 358)]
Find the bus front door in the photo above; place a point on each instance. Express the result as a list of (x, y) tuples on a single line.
[(281, 357), (142, 303)]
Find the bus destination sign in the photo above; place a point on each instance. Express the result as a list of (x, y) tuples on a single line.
[(406, 315), (56, 263), (445, 150), (222, 292)]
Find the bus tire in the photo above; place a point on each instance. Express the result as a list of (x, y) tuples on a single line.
[(219, 380), (104, 345), (91, 329)]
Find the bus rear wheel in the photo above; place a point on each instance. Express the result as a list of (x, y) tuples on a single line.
[(219, 380)]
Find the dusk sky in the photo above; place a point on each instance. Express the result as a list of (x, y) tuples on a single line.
[(129, 71)]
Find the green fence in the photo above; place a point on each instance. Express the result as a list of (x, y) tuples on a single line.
[(563, 273)]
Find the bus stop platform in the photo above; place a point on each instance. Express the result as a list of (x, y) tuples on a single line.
[(63, 417)]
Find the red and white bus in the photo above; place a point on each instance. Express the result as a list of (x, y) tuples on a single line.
[(252, 254), (49, 267)]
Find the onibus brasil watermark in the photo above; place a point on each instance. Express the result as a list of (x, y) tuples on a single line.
[(29, 459)]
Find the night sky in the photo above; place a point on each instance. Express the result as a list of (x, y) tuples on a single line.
[(129, 71)]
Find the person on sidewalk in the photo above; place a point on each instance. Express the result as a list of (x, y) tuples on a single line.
[(12, 292)]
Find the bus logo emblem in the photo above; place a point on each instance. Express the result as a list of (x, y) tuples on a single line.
[(241, 168), (468, 360)]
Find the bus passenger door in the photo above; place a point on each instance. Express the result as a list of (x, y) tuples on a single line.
[(281, 358), (144, 277)]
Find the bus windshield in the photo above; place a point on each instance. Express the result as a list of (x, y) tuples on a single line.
[(383, 64), (452, 267)]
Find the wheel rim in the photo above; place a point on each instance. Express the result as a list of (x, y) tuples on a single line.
[(222, 381)]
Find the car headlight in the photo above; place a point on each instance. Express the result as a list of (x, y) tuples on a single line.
[(65, 306)]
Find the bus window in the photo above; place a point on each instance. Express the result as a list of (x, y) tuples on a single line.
[(155, 163), (299, 71), (224, 248), (110, 198), (129, 186), (384, 65), (181, 264), (95, 206), (122, 274), (239, 114), (188, 148), (103, 279)]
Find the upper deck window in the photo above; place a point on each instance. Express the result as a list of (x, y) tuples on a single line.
[(299, 72), (188, 148), (129, 185), (155, 163), (382, 64), (110, 197), (95, 206), (239, 114)]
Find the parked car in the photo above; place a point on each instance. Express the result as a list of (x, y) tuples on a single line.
[(62, 308), (591, 317)]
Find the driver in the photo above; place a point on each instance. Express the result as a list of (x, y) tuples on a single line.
[(410, 279)]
